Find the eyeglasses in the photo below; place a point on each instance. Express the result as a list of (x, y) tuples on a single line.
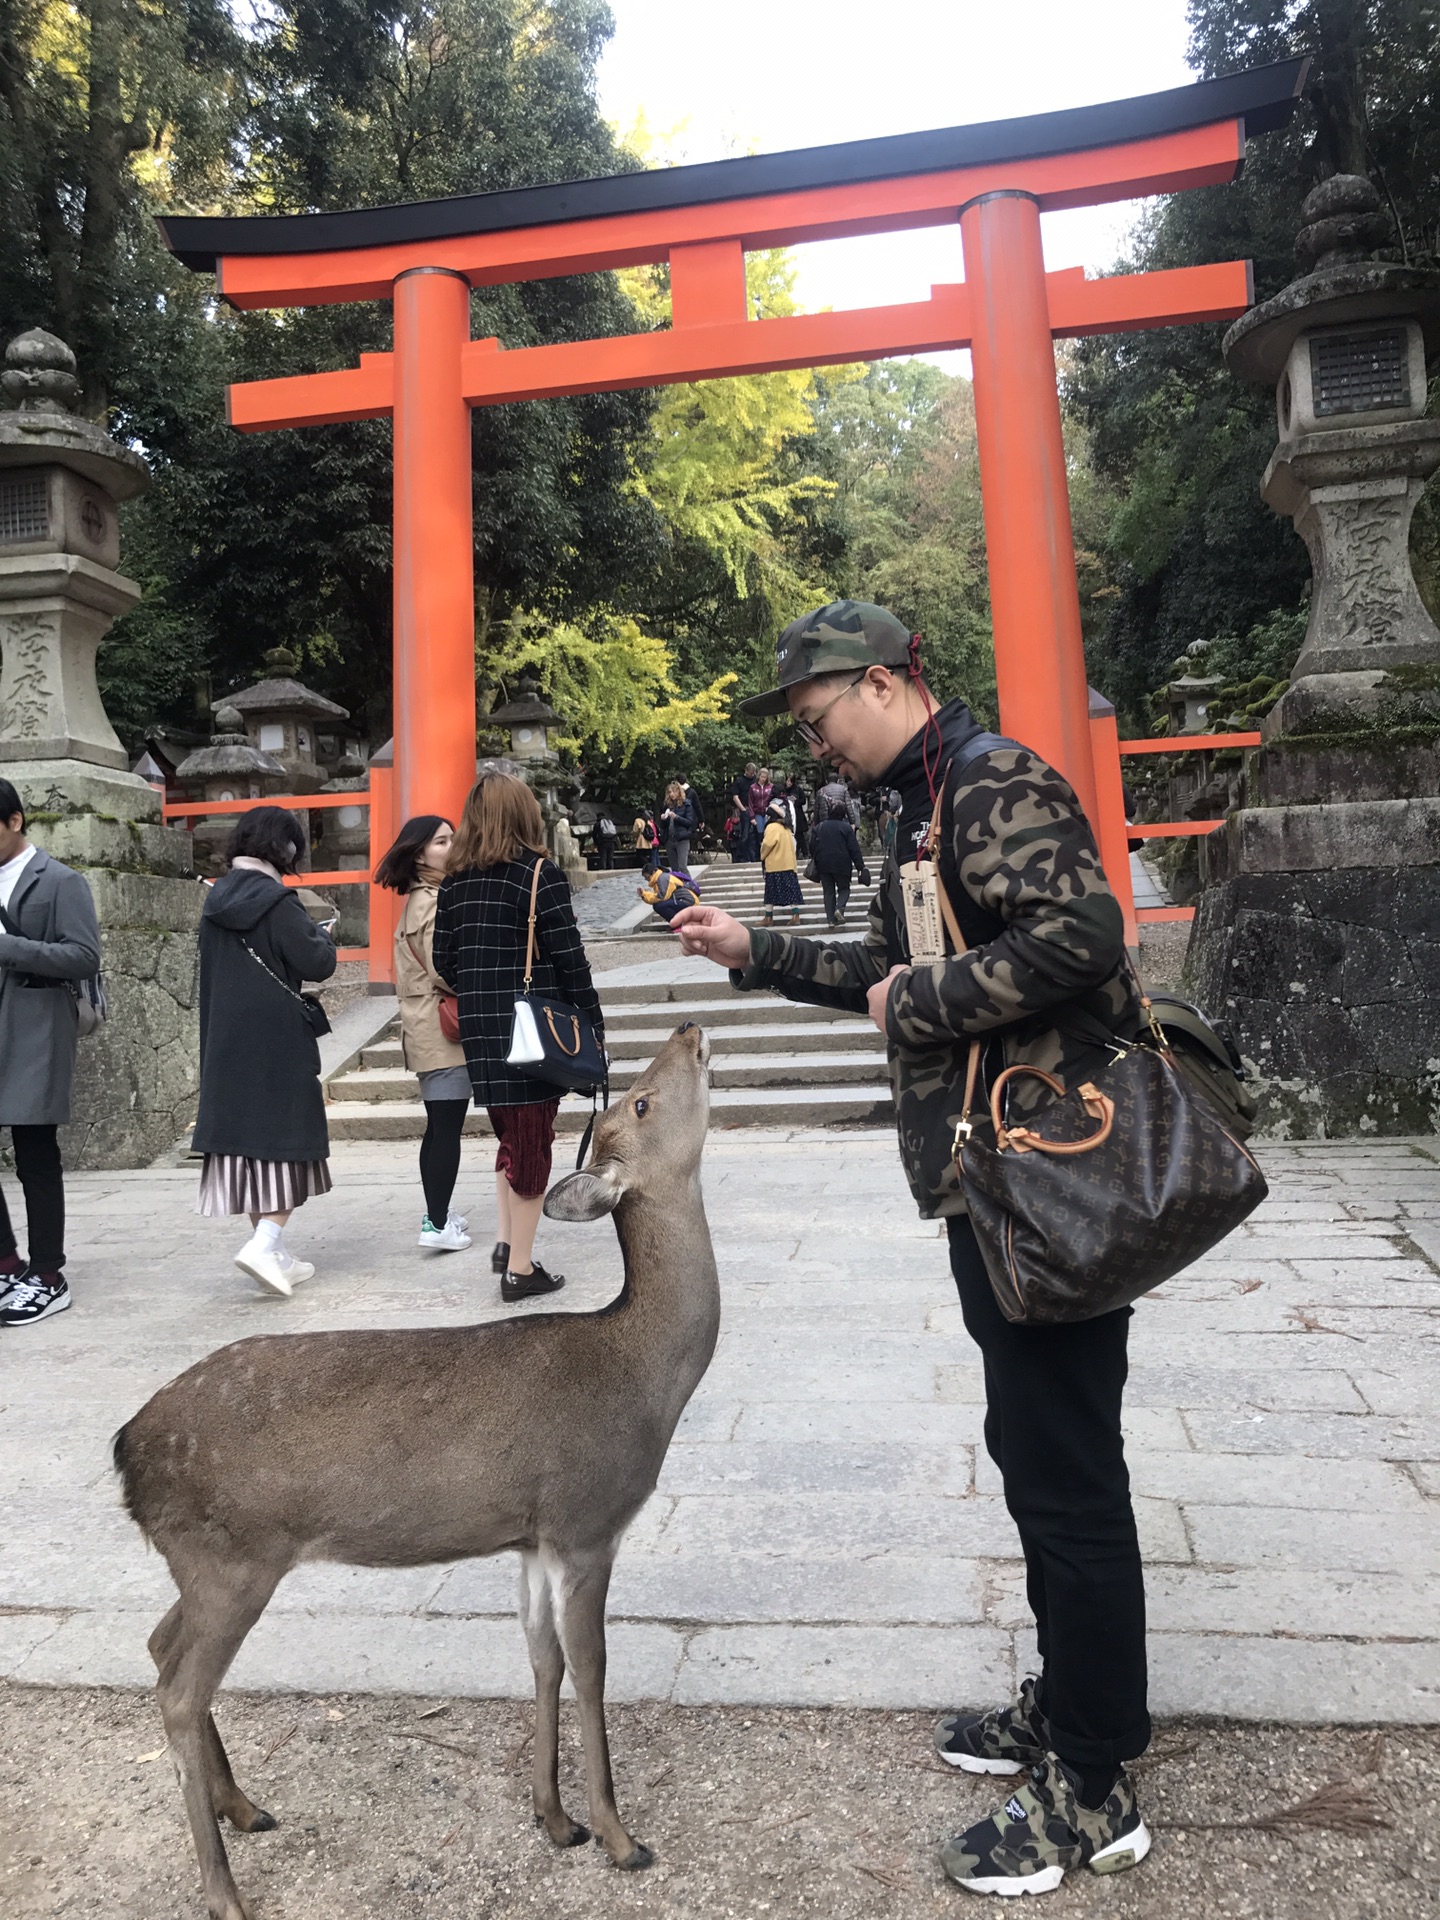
[(809, 730)]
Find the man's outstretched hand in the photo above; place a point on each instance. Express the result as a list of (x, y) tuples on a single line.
[(716, 935)]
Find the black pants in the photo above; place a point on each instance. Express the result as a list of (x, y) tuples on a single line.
[(605, 853), (836, 889), (440, 1155), (1052, 1426), (37, 1162)]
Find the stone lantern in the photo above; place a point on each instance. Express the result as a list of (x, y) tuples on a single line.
[(61, 478), (528, 719), (1316, 934), (228, 769), (283, 717)]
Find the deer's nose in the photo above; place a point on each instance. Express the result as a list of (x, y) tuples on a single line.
[(687, 1026)]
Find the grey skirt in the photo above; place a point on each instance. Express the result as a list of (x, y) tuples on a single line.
[(231, 1183), (445, 1083)]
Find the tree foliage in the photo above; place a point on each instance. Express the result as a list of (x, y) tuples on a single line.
[(1185, 547)]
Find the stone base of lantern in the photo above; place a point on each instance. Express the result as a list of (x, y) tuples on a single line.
[(137, 1076), (1318, 944)]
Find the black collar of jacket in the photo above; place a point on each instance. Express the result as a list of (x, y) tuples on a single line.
[(906, 772)]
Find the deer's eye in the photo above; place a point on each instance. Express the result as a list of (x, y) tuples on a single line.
[(642, 1107)]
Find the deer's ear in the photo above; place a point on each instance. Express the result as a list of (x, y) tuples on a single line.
[(584, 1196)]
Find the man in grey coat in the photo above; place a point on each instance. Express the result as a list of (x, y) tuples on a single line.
[(49, 938)]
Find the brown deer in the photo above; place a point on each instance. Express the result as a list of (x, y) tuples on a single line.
[(542, 1434)]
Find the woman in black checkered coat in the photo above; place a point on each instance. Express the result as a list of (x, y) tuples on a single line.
[(481, 920)]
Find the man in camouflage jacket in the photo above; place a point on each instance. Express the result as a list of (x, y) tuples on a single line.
[(1043, 981)]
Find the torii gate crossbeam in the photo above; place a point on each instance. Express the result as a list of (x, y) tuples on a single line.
[(995, 179)]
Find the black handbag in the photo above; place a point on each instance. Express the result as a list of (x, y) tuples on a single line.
[(1106, 1193), (549, 1039), (316, 1017)]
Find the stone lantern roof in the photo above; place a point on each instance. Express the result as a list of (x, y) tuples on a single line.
[(230, 753), (281, 694), (1344, 221), (39, 428), (526, 709)]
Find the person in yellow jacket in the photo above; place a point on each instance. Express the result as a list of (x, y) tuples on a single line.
[(777, 857), (665, 891), (414, 868)]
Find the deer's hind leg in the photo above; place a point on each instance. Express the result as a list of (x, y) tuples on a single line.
[(537, 1616), (225, 1795), (581, 1609), (193, 1648)]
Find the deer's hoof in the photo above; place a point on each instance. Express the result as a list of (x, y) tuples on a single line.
[(572, 1834), (261, 1822), (639, 1856)]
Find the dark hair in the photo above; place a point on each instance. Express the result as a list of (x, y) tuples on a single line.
[(11, 804), (652, 863), (268, 833), (400, 868)]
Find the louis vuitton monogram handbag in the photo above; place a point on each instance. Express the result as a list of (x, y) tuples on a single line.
[(1108, 1191)]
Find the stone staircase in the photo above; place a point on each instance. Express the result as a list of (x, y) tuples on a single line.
[(774, 1064), (741, 891)]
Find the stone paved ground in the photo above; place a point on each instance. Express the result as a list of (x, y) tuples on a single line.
[(827, 1530)]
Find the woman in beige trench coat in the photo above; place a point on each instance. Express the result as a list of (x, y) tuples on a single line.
[(414, 868)]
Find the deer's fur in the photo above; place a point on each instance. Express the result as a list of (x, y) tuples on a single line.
[(542, 1434)]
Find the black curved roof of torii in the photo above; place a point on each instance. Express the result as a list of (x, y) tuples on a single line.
[(1262, 97)]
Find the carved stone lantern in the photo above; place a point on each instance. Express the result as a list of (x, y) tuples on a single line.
[(528, 719), (283, 718), (60, 480), (228, 769), (1315, 934)]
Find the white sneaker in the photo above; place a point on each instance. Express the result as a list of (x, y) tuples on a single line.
[(296, 1270), (262, 1265), (451, 1238)]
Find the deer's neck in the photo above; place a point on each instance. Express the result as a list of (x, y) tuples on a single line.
[(671, 1301)]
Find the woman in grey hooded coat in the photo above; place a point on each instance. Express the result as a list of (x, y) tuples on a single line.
[(49, 938)]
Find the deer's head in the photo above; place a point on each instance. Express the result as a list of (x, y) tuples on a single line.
[(650, 1138)]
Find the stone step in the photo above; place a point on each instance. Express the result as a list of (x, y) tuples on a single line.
[(835, 1068), (742, 1009), (625, 1042), (823, 1106)]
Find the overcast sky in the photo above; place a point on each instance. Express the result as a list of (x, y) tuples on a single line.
[(764, 75)]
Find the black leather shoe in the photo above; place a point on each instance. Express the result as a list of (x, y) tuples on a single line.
[(524, 1286), (500, 1256)]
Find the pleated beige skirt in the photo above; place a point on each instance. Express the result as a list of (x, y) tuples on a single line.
[(231, 1183)]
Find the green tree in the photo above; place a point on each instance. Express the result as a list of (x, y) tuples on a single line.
[(1189, 551)]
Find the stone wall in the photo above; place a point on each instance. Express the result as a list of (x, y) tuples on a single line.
[(136, 1077)]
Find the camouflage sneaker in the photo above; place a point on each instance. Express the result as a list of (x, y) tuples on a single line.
[(1007, 1740), (1042, 1831)]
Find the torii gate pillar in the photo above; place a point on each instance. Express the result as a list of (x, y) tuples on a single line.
[(1035, 605), (434, 547)]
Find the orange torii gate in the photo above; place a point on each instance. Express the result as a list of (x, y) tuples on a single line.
[(995, 179)]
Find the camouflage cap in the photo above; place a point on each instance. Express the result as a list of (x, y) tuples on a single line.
[(847, 633)]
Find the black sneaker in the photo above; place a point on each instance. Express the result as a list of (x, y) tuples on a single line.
[(30, 1299), (1006, 1740), (524, 1286)]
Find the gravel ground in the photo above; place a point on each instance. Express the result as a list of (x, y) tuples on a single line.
[(391, 1809)]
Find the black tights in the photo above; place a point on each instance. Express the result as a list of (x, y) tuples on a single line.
[(37, 1164), (440, 1155)]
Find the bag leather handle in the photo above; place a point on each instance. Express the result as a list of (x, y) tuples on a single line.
[(1025, 1140), (530, 936), (965, 1126)]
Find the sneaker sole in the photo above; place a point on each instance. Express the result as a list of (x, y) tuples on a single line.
[(443, 1246), (973, 1763), (1121, 1854), (264, 1280)]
